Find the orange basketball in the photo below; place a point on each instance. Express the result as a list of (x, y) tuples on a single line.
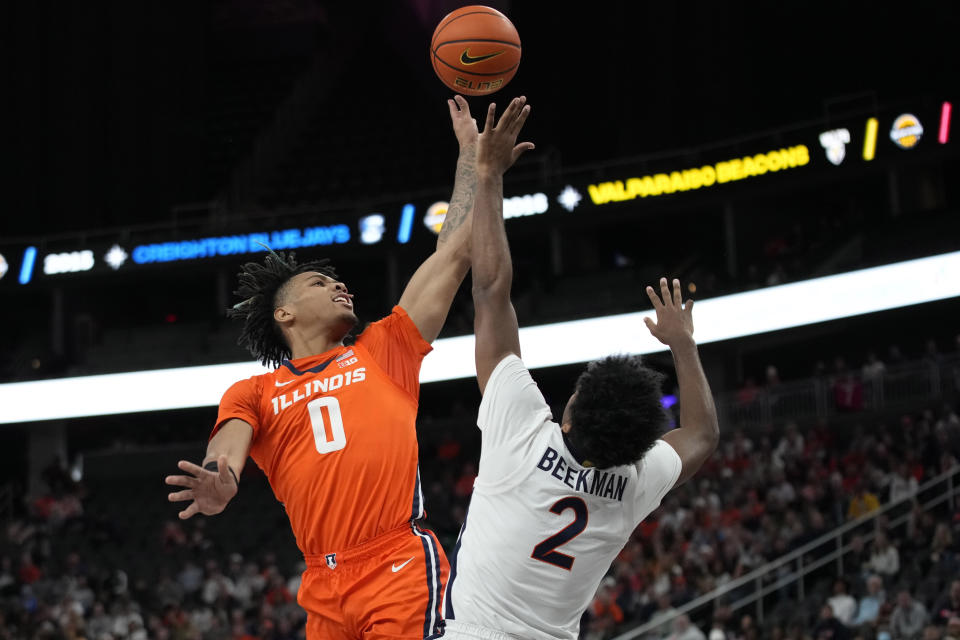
[(475, 50)]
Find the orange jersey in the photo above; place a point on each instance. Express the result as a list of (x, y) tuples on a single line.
[(335, 434)]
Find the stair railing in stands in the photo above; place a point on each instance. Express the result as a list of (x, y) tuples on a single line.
[(898, 387), (793, 567)]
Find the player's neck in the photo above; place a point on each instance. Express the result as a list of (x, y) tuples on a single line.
[(573, 449), (304, 347)]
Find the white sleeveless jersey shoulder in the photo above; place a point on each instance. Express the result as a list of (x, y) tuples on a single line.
[(541, 530)]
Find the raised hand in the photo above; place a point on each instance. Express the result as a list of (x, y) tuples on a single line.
[(674, 324), (210, 491), (497, 147), (464, 125)]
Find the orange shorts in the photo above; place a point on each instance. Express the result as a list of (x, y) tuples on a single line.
[(388, 587)]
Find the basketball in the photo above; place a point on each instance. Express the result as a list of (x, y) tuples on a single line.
[(475, 50)]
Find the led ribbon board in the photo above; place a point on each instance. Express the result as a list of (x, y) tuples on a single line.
[(694, 178), (734, 316)]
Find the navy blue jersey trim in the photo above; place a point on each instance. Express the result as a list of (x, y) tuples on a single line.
[(431, 621), (427, 631), (316, 369)]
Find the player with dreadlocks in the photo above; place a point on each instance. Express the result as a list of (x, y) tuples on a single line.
[(333, 427)]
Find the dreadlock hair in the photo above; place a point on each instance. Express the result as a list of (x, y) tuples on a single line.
[(617, 414), (261, 285)]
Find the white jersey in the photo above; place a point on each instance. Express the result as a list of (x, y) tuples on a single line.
[(542, 530)]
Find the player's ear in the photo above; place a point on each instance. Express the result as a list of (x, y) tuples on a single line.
[(282, 315)]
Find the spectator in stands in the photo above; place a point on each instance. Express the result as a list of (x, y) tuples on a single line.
[(847, 388), (884, 558), (828, 627), (859, 554), (748, 393), (777, 276), (126, 618), (873, 371), (751, 557), (217, 588), (920, 528), (605, 614), (902, 484), (953, 629), (239, 632), (868, 609), (293, 584), (796, 631), (748, 629), (720, 623), (791, 445), (947, 605), (198, 540), (683, 629), (707, 498), (931, 353), (843, 605), (66, 611), (663, 611), (932, 632), (874, 368), (464, 486), (99, 623), (781, 493), (948, 418), (168, 591), (190, 577), (908, 618), (28, 573), (277, 592), (772, 375), (862, 502), (942, 559)]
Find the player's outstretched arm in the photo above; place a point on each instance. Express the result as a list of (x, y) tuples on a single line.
[(210, 490), (429, 294), (697, 437), (495, 322), (454, 232)]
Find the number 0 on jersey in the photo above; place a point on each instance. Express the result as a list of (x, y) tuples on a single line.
[(328, 433)]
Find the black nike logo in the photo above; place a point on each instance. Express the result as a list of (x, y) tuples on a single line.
[(466, 58)]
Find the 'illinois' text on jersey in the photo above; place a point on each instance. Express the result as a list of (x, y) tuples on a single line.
[(316, 386)]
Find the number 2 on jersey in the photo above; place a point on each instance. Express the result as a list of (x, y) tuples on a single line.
[(328, 433), (546, 550)]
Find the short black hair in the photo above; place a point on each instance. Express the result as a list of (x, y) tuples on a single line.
[(260, 287), (618, 414)]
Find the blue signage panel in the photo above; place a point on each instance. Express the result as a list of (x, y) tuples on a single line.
[(234, 245)]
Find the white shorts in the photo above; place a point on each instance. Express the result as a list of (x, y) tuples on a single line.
[(466, 631)]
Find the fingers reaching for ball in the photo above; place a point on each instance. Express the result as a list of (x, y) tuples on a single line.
[(497, 147)]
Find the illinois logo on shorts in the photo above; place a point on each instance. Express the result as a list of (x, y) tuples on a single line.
[(331, 560)]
